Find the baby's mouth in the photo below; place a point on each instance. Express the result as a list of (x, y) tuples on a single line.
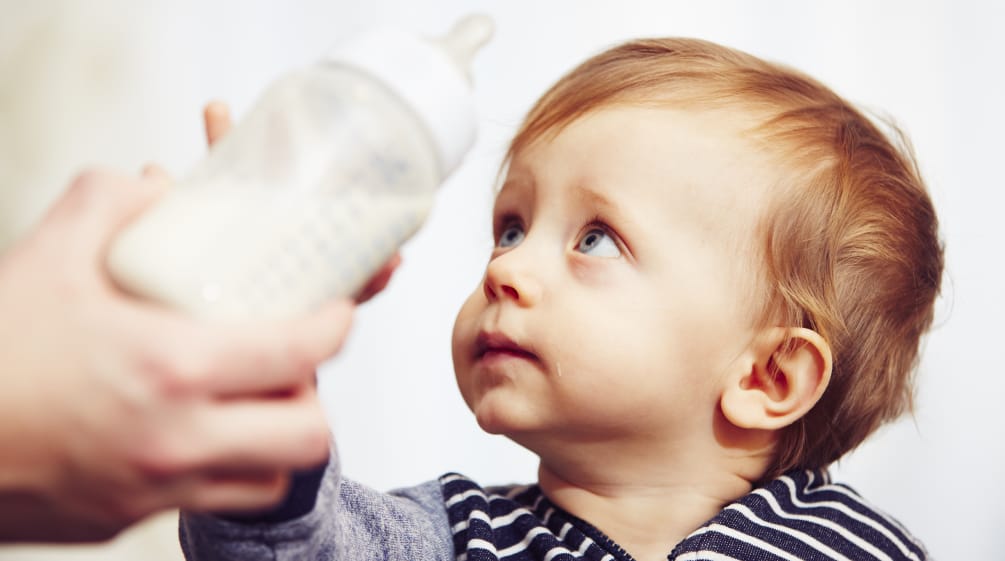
[(489, 345)]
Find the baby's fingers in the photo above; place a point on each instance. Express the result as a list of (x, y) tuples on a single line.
[(379, 280)]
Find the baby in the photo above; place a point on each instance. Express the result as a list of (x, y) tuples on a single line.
[(709, 282)]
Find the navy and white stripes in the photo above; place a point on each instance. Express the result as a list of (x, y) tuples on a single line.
[(516, 523), (800, 516)]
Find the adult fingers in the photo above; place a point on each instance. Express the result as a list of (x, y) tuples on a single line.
[(258, 434), (156, 173), (229, 360), (183, 357), (230, 492), (96, 205), (217, 121)]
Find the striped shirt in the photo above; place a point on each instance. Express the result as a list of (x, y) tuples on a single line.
[(799, 516)]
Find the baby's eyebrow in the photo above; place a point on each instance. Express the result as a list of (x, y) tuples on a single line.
[(520, 186), (601, 201), (518, 178), (595, 198)]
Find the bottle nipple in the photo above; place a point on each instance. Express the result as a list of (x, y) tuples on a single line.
[(430, 75), (465, 38)]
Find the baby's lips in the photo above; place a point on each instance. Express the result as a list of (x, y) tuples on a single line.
[(495, 342)]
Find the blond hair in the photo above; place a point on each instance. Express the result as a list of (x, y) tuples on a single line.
[(849, 244)]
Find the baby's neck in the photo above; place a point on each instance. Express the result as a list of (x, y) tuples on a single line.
[(647, 516)]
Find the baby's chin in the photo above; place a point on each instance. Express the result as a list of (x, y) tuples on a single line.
[(491, 420), (496, 414)]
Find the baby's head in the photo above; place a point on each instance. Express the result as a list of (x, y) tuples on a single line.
[(778, 254)]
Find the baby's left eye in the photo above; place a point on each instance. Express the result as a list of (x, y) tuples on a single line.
[(598, 243)]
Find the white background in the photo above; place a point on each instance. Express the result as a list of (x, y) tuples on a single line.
[(121, 83)]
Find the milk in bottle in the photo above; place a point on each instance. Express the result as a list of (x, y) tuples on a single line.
[(306, 197)]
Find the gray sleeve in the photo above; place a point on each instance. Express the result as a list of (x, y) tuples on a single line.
[(349, 522)]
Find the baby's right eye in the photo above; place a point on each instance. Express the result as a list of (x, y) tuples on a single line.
[(511, 235)]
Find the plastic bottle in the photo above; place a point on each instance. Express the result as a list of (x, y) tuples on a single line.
[(303, 200)]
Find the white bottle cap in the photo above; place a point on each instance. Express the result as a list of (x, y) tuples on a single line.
[(431, 76)]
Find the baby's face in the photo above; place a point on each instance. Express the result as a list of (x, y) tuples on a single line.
[(618, 292)]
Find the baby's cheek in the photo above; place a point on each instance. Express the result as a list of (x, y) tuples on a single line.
[(463, 323), (593, 273), (462, 343)]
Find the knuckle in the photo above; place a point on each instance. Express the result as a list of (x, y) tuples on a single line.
[(172, 377), (87, 186), (158, 459), (301, 358)]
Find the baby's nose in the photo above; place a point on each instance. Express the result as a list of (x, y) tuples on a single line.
[(512, 276)]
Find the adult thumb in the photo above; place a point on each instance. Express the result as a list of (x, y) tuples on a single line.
[(97, 205)]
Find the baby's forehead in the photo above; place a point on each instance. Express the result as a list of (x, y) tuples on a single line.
[(709, 160)]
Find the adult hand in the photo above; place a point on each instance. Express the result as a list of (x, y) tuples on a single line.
[(113, 408)]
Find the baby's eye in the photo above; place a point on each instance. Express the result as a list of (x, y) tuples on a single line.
[(598, 243), (511, 235)]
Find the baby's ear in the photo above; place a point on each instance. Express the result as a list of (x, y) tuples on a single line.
[(788, 371)]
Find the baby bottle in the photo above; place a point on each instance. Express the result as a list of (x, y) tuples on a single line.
[(306, 197)]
